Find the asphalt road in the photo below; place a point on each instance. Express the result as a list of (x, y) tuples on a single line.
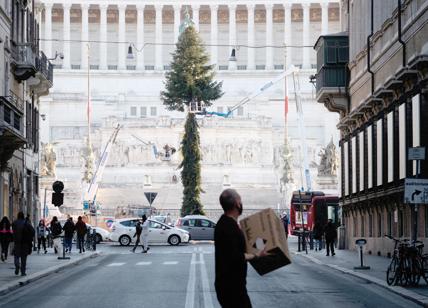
[(183, 277)]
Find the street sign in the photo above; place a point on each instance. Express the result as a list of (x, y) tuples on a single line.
[(361, 242), (416, 153), (85, 205), (416, 191), (151, 196)]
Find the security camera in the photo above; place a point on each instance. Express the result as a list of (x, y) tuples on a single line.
[(61, 56)]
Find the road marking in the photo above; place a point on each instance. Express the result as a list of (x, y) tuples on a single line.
[(170, 263), (205, 284), (190, 292), (144, 263), (116, 264)]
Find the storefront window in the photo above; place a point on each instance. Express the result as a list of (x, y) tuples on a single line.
[(379, 225), (400, 223), (389, 221), (426, 220)]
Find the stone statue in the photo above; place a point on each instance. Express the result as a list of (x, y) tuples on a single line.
[(329, 160), (89, 162), (286, 160), (48, 160)]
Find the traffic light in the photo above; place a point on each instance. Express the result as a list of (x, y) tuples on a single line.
[(57, 195)]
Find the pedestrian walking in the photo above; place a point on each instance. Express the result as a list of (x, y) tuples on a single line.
[(285, 222), (145, 233), (23, 235), (230, 257), (138, 230), (69, 229), (42, 234), (56, 231), (6, 236), (317, 232), (330, 234), (81, 230)]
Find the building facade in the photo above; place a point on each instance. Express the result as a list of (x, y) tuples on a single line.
[(26, 75), (383, 112), (122, 51)]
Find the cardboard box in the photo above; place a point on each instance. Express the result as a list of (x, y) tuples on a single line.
[(265, 230)]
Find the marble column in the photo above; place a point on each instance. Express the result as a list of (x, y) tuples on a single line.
[(158, 38), (121, 47), (39, 11), (48, 29), (195, 11), (66, 62), (306, 50), (140, 37), (214, 34), (232, 33), (269, 26), (103, 36), (84, 37), (324, 18), (287, 34), (251, 64), (177, 16)]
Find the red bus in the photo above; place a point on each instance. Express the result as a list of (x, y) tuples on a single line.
[(307, 208)]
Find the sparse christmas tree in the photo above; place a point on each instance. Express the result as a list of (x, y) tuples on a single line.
[(190, 80)]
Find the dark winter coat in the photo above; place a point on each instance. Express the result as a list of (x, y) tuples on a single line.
[(23, 234), (317, 231), (6, 234), (56, 229), (330, 232), (138, 230), (68, 228), (80, 228), (285, 223)]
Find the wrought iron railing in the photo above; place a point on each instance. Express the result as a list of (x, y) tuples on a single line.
[(45, 67), (15, 101), (23, 54)]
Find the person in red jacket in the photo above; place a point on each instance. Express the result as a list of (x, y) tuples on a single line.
[(81, 231), (6, 236)]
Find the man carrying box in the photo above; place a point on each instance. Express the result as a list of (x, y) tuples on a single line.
[(230, 257)]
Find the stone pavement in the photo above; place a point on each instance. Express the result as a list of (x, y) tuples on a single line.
[(38, 266), (346, 260)]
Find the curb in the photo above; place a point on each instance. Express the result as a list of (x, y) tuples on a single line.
[(410, 295), (7, 288)]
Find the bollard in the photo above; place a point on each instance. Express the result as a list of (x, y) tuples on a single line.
[(63, 250), (311, 241), (360, 243)]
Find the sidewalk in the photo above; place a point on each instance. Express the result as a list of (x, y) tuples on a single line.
[(345, 260), (38, 266)]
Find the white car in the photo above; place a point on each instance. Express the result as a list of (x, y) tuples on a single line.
[(123, 231)]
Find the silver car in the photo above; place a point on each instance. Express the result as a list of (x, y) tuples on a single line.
[(199, 227)]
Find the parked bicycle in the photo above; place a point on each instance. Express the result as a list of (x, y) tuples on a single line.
[(408, 264)]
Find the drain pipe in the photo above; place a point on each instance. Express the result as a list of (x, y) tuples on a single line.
[(369, 37), (400, 39)]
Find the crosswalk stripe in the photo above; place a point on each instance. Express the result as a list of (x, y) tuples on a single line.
[(144, 263), (170, 263), (116, 264)]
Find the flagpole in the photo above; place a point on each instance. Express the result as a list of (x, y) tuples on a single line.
[(88, 110)]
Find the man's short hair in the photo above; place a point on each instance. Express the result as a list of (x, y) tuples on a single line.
[(228, 199)]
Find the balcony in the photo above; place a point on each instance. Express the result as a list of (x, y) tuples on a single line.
[(24, 61), (11, 127), (332, 76), (42, 81)]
